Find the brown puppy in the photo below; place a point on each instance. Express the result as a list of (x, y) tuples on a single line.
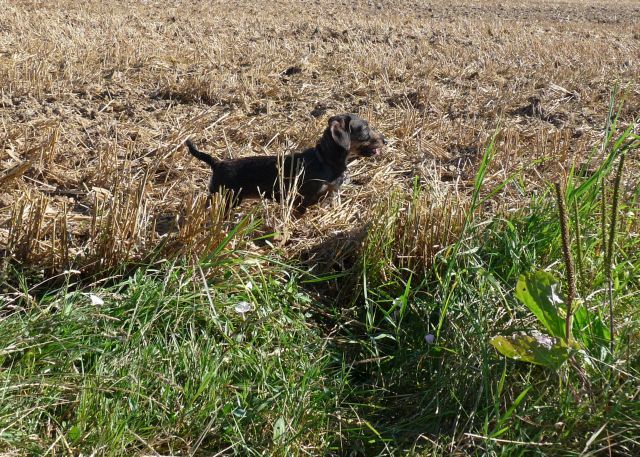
[(320, 169)]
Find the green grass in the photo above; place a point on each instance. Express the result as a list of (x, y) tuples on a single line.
[(166, 360), (167, 363), (457, 392)]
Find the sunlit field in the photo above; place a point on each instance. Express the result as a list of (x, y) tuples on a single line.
[(137, 320)]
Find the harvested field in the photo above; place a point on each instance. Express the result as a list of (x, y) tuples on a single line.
[(96, 100), (419, 312)]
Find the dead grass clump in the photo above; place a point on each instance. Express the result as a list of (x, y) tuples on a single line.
[(117, 230), (408, 231), (203, 228)]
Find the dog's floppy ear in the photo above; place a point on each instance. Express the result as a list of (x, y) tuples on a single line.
[(339, 126)]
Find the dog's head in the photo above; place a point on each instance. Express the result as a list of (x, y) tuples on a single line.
[(353, 134)]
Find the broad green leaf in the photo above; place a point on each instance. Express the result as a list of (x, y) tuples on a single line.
[(279, 428), (540, 292), (590, 328), (538, 349)]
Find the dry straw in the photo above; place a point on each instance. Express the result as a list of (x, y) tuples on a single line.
[(93, 174)]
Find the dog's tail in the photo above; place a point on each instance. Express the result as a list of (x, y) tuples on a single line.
[(201, 155)]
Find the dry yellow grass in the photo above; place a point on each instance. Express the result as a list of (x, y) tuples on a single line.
[(96, 99)]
